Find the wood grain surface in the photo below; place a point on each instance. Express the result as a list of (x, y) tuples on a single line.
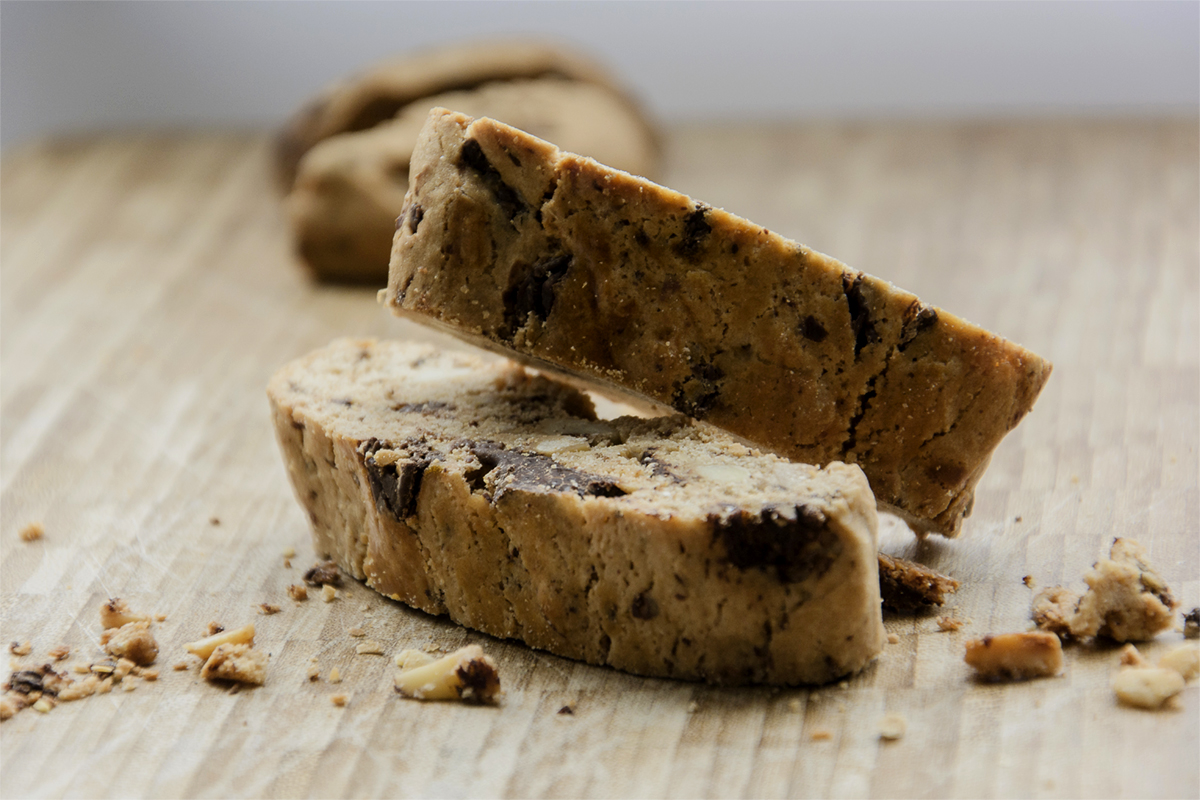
[(147, 292)]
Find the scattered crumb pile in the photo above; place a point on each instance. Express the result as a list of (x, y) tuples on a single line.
[(1126, 600), (466, 674), (127, 640), (230, 656), (1142, 685), (1015, 656)]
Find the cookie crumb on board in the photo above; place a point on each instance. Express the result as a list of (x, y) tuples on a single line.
[(214, 628), (297, 592), (821, 735), (335, 675), (132, 641), (20, 648), (116, 612), (267, 609), (1126, 599), (567, 711), (356, 632), (236, 662), (1184, 659), (32, 532), (893, 638), (949, 624), (324, 573), (328, 593), (339, 700), (466, 674), (370, 647), (1015, 656), (892, 727), (1146, 687), (1191, 624), (907, 586), (1130, 657)]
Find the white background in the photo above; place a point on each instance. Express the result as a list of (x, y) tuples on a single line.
[(67, 67)]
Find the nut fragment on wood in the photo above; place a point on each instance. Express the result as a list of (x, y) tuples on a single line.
[(370, 647), (339, 700), (466, 674), (116, 612), (892, 727), (32, 532), (906, 586), (1015, 656), (204, 647), (328, 593), (1184, 659), (297, 592), (1146, 687)]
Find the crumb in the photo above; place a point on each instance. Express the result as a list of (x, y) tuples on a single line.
[(80, 689), (907, 586), (160, 617), (1015, 656), (124, 667), (214, 628), (297, 592), (1017, 519), (116, 613), (80, 669), (1028, 581), (20, 649), (567, 711), (1126, 599), (287, 563), (430, 647), (314, 672), (149, 675), (693, 707), (289, 552), (128, 686), (1191, 624), (268, 608), (339, 700), (214, 520), (180, 666), (32, 532), (892, 727), (43, 704), (1130, 657), (104, 667), (105, 686), (335, 675), (370, 647), (132, 641), (893, 639), (324, 573), (1053, 609), (204, 647), (236, 662), (356, 632), (328, 593), (1184, 659), (949, 624), (1146, 687), (9, 706), (820, 735), (466, 674)]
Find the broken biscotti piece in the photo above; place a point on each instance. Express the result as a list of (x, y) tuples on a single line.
[(485, 492), (1015, 656), (907, 586), (1126, 600), (568, 265)]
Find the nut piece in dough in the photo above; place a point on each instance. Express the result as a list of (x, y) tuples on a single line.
[(1015, 656), (236, 662), (1147, 687), (466, 674)]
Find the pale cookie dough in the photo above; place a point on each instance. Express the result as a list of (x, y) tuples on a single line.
[(514, 245), (350, 188), (377, 93), (484, 492)]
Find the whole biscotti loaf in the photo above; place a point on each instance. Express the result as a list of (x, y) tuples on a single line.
[(572, 266), (490, 494)]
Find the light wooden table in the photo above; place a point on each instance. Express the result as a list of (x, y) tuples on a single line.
[(148, 293)]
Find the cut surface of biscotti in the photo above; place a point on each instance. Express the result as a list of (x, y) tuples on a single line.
[(491, 494), (350, 188), (568, 265)]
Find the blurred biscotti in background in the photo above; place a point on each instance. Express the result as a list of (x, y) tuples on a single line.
[(343, 158)]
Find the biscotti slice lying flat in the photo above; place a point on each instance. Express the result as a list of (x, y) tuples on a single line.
[(569, 265), (490, 494), (350, 187)]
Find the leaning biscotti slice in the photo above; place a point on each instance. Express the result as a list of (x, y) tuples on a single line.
[(491, 494), (569, 265)]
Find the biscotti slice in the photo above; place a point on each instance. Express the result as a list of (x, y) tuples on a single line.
[(491, 494), (350, 187), (381, 90), (572, 266)]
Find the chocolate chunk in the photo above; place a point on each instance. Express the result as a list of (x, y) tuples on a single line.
[(860, 313), (412, 215), (906, 586), (698, 394), (480, 681), (326, 572), (657, 466), (1191, 624), (510, 202), (918, 318), (644, 607), (395, 486), (695, 230), (567, 710), (532, 290), (426, 407), (26, 681), (812, 329), (513, 470), (796, 543)]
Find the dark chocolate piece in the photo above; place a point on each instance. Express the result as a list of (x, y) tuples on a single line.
[(326, 572), (860, 312), (512, 470), (695, 230), (532, 290), (795, 542), (396, 486), (472, 156)]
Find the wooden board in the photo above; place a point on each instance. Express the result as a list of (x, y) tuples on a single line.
[(147, 293)]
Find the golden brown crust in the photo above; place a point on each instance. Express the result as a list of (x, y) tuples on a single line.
[(555, 259)]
